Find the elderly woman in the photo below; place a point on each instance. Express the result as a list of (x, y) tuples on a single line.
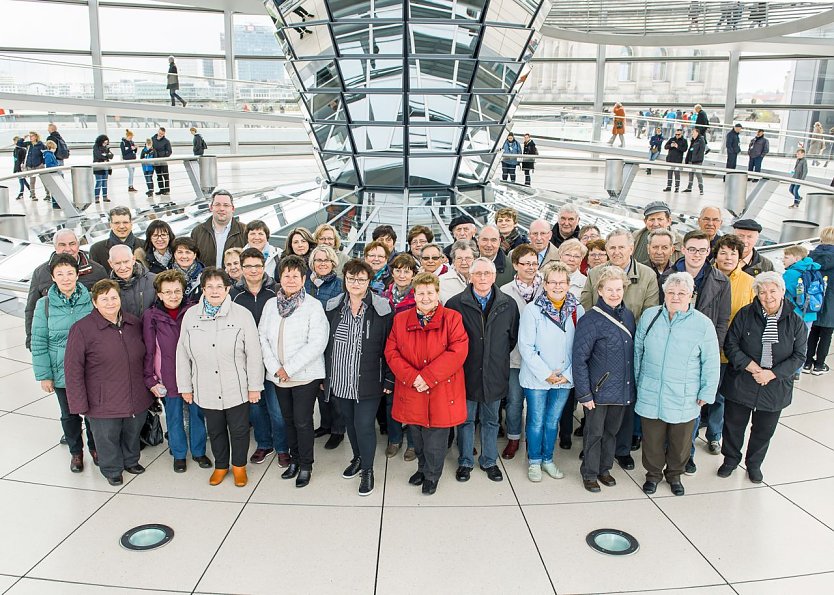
[(671, 390), (103, 367), (326, 235), (257, 236), (376, 254), (219, 367), (66, 302), (293, 331), (603, 375), (571, 253), (231, 264), (401, 293), (299, 242), (545, 340), (525, 287), (597, 254), (186, 261), (425, 351), (357, 374), (432, 260), (765, 345), (161, 325), (418, 237), (156, 253)]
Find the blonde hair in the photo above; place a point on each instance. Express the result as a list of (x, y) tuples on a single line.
[(128, 133), (555, 267), (799, 252), (192, 129), (426, 279), (35, 134), (827, 235), (612, 273), (572, 244), (50, 145)]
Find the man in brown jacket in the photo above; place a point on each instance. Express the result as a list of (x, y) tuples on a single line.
[(219, 232)]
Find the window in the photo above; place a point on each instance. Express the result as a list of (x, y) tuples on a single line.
[(626, 72), (694, 72), (659, 67)]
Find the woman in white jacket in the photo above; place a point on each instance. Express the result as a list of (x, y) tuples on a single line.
[(294, 333)]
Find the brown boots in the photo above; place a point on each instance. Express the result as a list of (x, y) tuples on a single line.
[(510, 449), (218, 476), (240, 476)]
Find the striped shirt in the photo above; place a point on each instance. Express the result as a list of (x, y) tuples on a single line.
[(347, 350), (770, 336)]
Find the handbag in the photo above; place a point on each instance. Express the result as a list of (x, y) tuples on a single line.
[(151, 433)]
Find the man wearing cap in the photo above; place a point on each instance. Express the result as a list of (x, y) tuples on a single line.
[(461, 227), (733, 146), (752, 262), (657, 215)]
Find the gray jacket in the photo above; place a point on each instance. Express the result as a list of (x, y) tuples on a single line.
[(800, 169), (759, 147), (137, 293)]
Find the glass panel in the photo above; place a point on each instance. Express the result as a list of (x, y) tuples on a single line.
[(437, 108), (443, 39), (565, 81), (254, 35), (496, 75), (378, 138), (430, 171), (269, 71), (16, 28), (540, 17), (310, 41), (643, 88), (372, 73), (332, 137), (445, 9), (297, 11), (488, 108), (317, 74), (440, 74), (513, 12), (358, 39), (47, 75), (473, 169), (375, 108), (128, 29), (361, 9), (382, 171), (437, 139), (339, 168), (482, 138), (325, 106), (504, 43)]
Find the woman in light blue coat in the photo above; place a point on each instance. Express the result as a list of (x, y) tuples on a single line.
[(676, 362), (545, 342)]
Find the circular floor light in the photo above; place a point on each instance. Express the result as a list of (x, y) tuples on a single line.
[(612, 542), (147, 537)]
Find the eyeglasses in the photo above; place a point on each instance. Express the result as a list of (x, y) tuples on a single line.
[(321, 260), (558, 283), (430, 257), (531, 263), (175, 293), (482, 273), (160, 235), (700, 251), (356, 280), (252, 267), (590, 236)]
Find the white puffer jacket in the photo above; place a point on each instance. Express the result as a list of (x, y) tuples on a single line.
[(305, 338)]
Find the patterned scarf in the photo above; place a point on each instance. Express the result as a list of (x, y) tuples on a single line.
[(395, 296), (288, 305), (192, 274), (164, 258), (558, 317), (211, 311), (424, 319), (770, 337), (378, 282), (508, 240), (319, 281), (528, 291), (72, 299)]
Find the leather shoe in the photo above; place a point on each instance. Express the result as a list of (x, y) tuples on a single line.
[(204, 462), (493, 473), (353, 469), (677, 488), (77, 463), (291, 471), (726, 470), (240, 476), (626, 462), (334, 441), (179, 466), (303, 478), (591, 485), (116, 480), (136, 469), (607, 480), (463, 473), (755, 475), (650, 487), (565, 444), (63, 440), (636, 442), (429, 487), (319, 432), (416, 479), (510, 449), (217, 476), (283, 459)]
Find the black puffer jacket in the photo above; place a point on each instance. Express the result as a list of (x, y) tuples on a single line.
[(744, 344), (492, 336), (138, 293), (254, 303), (697, 151), (675, 154), (101, 152)]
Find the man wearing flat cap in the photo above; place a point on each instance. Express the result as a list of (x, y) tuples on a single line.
[(657, 215), (462, 227), (752, 262)]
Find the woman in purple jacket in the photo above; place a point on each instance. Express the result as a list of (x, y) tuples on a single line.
[(161, 325), (103, 368)]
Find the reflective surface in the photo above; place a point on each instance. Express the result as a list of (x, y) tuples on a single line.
[(408, 94)]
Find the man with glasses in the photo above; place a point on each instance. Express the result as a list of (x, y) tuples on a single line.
[(675, 152), (219, 232), (490, 318), (709, 221), (121, 232), (456, 279), (540, 236), (489, 245), (711, 296)]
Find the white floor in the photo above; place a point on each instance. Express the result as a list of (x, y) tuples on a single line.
[(61, 530)]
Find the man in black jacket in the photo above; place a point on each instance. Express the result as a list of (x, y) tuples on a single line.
[(490, 318), (489, 246), (162, 148), (733, 146), (198, 145), (675, 151), (566, 227), (121, 232)]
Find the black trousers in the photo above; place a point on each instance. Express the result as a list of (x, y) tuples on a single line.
[(528, 173), (599, 439), (297, 409), (330, 413), (71, 424), (736, 418), (508, 171), (117, 442), (566, 421), (626, 431), (430, 446), (732, 159), (227, 426), (666, 449), (162, 181), (359, 423), (819, 342)]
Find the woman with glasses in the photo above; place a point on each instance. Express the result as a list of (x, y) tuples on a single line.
[(326, 235), (587, 233), (376, 255), (418, 237), (432, 260), (571, 254), (597, 254), (157, 254)]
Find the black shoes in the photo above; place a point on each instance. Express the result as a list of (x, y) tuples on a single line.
[(136, 469), (149, 193), (677, 488), (334, 441), (726, 470), (463, 473), (77, 463), (607, 480), (688, 189), (63, 439), (565, 444), (291, 471), (691, 468), (667, 189), (303, 478), (179, 466), (636, 443), (416, 479), (204, 462), (591, 485), (755, 475), (493, 473), (649, 487), (626, 462), (116, 480), (366, 483), (429, 487), (353, 469), (319, 432)]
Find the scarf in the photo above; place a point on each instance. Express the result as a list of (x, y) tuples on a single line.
[(72, 299), (192, 274), (378, 282), (770, 337), (395, 296), (288, 305), (508, 241), (319, 281), (163, 259), (211, 311), (528, 291), (558, 317), (424, 319)]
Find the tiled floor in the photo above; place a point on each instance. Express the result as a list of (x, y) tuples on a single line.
[(61, 530)]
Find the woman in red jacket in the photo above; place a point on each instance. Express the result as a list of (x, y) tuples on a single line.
[(425, 351)]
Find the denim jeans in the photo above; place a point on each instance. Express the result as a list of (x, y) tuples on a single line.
[(101, 183), (148, 179), (395, 428), (515, 406), (488, 414), (715, 419), (130, 172), (267, 421), (755, 163), (176, 428), (794, 190), (544, 408)]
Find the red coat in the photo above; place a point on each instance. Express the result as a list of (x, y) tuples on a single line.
[(619, 114), (436, 352)]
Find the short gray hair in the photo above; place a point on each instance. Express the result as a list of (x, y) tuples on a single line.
[(684, 279), (568, 209), (612, 273), (61, 233), (464, 245), (328, 251), (484, 261), (617, 232), (768, 277), (662, 233), (114, 250), (118, 211)]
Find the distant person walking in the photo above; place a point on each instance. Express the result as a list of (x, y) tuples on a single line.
[(695, 156), (816, 147), (34, 160), (19, 159), (675, 151), (102, 154), (618, 128), (129, 152), (800, 172), (509, 163), (528, 166), (147, 168), (198, 145), (174, 82)]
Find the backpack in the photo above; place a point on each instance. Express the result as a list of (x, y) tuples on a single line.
[(813, 294), (203, 143), (62, 151)]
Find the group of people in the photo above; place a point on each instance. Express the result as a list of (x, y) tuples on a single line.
[(428, 343)]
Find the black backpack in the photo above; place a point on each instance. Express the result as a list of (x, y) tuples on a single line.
[(62, 151)]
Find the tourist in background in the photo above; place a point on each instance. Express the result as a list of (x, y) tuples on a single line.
[(509, 163), (173, 82), (819, 340), (129, 153), (147, 168), (102, 154)]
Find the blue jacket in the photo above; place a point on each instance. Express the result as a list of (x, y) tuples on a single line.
[(656, 141), (34, 155), (791, 276), (147, 154), (511, 148), (544, 347), (326, 292), (677, 364), (823, 255), (603, 357), (49, 159)]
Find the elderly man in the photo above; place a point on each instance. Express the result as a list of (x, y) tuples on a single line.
[(135, 281), (452, 282), (490, 318), (752, 262), (489, 245), (219, 232), (65, 242), (566, 227), (709, 221), (540, 235), (657, 215), (662, 252), (121, 232), (461, 227)]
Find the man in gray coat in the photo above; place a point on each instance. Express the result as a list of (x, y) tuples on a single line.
[(135, 281)]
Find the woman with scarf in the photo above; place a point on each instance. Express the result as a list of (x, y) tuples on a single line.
[(571, 253), (545, 340), (186, 260), (293, 331), (220, 368), (506, 220), (765, 345), (524, 288), (157, 254), (376, 255), (323, 283), (257, 236)]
